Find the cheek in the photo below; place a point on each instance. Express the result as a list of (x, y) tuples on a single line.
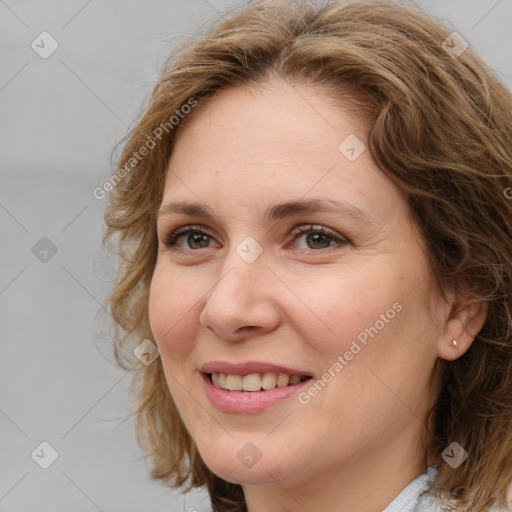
[(371, 319), (339, 306), (171, 315)]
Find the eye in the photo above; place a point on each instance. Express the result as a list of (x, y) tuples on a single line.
[(196, 236), (317, 237)]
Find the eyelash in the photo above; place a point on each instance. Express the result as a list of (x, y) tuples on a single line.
[(170, 241)]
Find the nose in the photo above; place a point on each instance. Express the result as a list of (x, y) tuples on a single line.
[(242, 303)]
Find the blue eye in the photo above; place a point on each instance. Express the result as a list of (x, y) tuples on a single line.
[(197, 238)]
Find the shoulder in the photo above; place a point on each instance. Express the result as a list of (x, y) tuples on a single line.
[(430, 502), (420, 496), (427, 502)]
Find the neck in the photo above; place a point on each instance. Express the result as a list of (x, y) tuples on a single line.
[(368, 482)]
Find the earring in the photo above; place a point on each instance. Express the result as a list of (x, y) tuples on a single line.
[(454, 343)]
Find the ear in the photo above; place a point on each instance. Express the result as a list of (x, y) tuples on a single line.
[(463, 324)]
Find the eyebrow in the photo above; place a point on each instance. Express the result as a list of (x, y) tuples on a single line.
[(273, 213)]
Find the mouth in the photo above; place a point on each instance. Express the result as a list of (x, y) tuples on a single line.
[(250, 387), (251, 393), (254, 382)]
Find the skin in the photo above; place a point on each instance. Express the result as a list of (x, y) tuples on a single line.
[(301, 303)]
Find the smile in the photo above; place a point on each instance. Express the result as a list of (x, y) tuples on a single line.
[(254, 382), (240, 401)]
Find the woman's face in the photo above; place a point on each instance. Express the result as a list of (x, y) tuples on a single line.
[(346, 307)]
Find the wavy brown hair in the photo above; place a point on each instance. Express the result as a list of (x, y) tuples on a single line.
[(440, 130)]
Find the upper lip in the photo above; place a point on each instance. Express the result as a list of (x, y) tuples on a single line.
[(248, 368)]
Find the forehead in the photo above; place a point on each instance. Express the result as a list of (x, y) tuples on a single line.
[(274, 141), (274, 116)]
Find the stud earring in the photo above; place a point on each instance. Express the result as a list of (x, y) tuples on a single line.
[(454, 343)]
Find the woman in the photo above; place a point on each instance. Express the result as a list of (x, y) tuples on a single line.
[(314, 231)]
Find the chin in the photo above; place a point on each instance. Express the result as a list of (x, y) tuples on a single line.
[(242, 462), (233, 472)]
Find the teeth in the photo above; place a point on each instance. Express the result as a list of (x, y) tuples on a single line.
[(234, 382), (282, 380), (269, 381), (295, 379), (254, 381)]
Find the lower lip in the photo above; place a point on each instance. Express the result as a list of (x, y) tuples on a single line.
[(248, 401)]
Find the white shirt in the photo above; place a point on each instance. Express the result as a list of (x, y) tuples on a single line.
[(416, 498)]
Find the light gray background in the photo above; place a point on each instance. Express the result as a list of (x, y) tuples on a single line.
[(59, 120)]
